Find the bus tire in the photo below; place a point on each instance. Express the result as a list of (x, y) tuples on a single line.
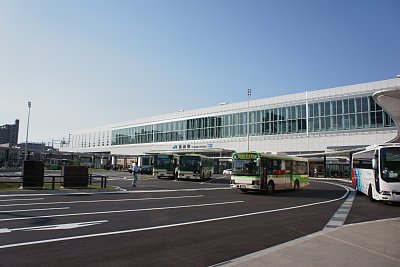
[(370, 196), (270, 187), (158, 177), (296, 185)]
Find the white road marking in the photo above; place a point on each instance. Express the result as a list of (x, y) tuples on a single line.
[(117, 192), (65, 226), (119, 211), (21, 199), (97, 201), (168, 225), (12, 211)]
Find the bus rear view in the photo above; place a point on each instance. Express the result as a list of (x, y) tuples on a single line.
[(376, 172)]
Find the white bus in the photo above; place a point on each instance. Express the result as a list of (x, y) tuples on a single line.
[(193, 166), (164, 165), (268, 172), (376, 172)]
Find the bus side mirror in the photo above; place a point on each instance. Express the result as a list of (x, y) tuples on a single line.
[(374, 164)]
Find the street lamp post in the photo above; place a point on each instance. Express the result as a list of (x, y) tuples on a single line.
[(27, 130), (248, 118)]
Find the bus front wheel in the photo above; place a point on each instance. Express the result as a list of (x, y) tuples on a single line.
[(270, 187)]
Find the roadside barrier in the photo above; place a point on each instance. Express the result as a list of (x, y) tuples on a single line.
[(93, 179)]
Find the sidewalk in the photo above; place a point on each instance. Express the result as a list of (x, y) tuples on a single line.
[(367, 244)]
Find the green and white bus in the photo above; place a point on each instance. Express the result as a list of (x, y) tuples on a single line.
[(376, 172), (193, 166), (164, 165), (268, 172)]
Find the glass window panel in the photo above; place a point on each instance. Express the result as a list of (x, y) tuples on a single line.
[(371, 103), (352, 106), (328, 123), (323, 126), (316, 110), (292, 112), (346, 122), (316, 124), (334, 123), (328, 108), (352, 121), (311, 110), (322, 109), (364, 104), (345, 106), (358, 105), (339, 106), (379, 119), (340, 122), (359, 120), (311, 125), (365, 120)]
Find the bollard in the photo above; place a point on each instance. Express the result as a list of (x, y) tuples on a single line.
[(53, 180)]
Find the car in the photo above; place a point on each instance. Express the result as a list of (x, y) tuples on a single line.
[(227, 172)]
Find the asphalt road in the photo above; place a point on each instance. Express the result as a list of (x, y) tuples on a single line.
[(166, 223)]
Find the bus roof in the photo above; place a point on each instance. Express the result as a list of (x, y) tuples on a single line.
[(250, 154)]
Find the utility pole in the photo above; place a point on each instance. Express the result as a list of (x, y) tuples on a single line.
[(248, 118), (27, 130)]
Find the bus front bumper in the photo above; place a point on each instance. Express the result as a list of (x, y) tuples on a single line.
[(389, 196), (245, 186)]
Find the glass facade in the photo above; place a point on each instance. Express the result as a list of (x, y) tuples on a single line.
[(334, 115)]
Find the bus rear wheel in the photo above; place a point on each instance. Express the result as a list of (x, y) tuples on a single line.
[(296, 185), (370, 196)]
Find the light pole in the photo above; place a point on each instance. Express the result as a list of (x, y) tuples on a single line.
[(248, 118), (27, 129)]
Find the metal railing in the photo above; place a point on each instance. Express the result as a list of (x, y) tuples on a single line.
[(54, 179)]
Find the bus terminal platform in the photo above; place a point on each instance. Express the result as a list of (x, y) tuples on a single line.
[(367, 244)]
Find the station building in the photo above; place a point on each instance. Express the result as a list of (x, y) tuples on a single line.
[(313, 121)]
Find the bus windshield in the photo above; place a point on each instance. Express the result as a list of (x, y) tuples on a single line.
[(390, 164), (189, 163), (163, 162), (245, 167)]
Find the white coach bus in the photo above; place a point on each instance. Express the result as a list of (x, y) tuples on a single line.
[(376, 172)]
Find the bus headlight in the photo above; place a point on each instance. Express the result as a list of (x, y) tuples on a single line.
[(232, 181), (385, 193)]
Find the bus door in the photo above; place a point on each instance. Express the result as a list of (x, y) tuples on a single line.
[(263, 173)]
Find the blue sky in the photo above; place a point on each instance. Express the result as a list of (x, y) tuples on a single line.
[(90, 63)]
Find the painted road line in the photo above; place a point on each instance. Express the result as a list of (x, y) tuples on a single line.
[(11, 211), (65, 226), (114, 192), (120, 211), (21, 199), (97, 201), (168, 225), (340, 215)]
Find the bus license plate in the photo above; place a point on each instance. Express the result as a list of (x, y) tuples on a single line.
[(242, 186)]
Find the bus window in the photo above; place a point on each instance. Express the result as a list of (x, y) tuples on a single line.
[(276, 167), (288, 167), (390, 165), (302, 168)]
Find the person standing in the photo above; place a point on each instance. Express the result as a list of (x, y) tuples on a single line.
[(135, 171)]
